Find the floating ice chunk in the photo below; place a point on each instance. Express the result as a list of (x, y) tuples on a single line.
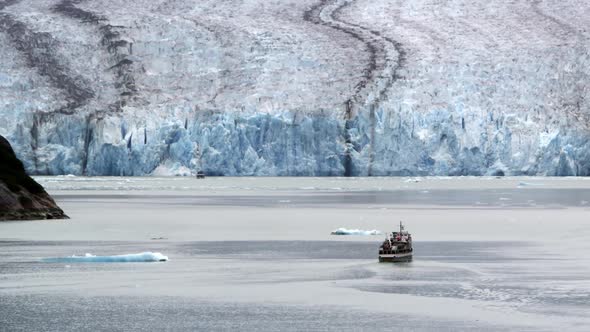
[(344, 231), (413, 180), (172, 169), (89, 258)]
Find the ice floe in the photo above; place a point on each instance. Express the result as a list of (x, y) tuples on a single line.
[(413, 180), (526, 184), (129, 258), (345, 231)]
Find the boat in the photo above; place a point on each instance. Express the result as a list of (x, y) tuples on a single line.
[(397, 247), (200, 175)]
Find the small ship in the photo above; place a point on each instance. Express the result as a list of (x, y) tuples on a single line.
[(397, 247)]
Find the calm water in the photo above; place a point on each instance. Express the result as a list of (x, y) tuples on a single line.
[(245, 255)]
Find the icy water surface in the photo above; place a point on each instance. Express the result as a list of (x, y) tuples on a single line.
[(490, 254)]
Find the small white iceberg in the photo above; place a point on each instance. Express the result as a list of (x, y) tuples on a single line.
[(344, 231), (130, 258), (526, 184), (413, 180)]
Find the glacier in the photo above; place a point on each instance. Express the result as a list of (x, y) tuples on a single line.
[(296, 88)]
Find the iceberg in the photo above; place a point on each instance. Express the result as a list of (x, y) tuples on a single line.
[(413, 180), (129, 258), (345, 231), (526, 184)]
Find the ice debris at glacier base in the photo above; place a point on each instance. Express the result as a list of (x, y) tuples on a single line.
[(345, 231), (129, 258)]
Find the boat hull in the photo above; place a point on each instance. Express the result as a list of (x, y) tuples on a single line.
[(395, 258)]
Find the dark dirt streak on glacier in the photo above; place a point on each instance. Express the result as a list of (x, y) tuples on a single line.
[(563, 25), (380, 44), (312, 15), (574, 108), (125, 81), (110, 39), (37, 48), (379, 61)]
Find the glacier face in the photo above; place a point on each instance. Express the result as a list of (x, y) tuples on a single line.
[(329, 87)]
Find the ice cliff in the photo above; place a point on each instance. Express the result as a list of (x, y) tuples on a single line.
[(296, 87)]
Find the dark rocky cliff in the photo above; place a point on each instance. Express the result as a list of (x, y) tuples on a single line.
[(21, 197)]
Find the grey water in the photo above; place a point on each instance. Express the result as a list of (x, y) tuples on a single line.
[(495, 258), (439, 270), (513, 197)]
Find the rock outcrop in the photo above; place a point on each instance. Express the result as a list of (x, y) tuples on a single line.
[(21, 197)]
